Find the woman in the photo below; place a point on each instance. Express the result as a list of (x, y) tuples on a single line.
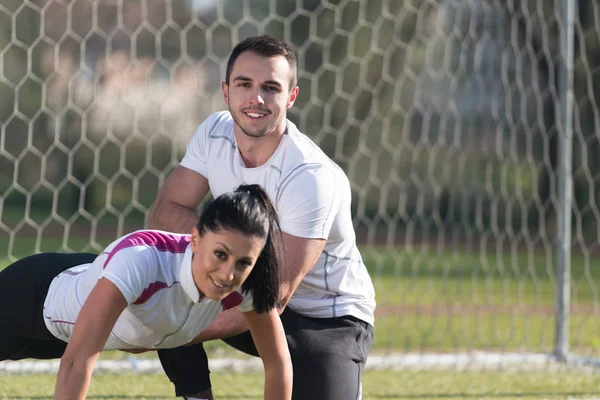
[(150, 290)]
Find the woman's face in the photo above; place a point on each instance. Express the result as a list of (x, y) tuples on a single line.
[(223, 260)]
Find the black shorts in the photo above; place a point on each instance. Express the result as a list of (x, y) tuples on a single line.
[(23, 288), (328, 357)]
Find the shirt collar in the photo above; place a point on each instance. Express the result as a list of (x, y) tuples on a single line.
[(186, 278)]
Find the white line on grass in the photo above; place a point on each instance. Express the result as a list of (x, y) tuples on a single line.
[(393, 361)]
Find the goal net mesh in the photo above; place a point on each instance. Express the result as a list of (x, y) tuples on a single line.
[(444, 114)]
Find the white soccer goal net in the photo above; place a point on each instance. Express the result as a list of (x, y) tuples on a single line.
[(445, 114)]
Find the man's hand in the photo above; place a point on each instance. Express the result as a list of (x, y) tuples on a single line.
[(228, 323)]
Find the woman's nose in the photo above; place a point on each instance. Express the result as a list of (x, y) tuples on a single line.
[(226, 272)]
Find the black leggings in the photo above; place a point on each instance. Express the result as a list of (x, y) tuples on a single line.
[(328, 356), (23, 288)]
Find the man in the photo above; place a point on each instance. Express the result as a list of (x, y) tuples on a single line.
[(327, 298)]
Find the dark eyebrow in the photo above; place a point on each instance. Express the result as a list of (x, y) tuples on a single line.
[(226, 248), (274, 83), (242, 78), (246, 79), (245, 259)]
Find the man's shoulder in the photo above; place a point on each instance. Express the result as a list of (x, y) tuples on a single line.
[(306, 164), (216, 129), (218, 124), (303, 150)]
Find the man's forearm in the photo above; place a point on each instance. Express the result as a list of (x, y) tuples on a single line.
[(172, 217), (227, 324)]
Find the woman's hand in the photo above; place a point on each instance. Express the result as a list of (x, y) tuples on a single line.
[(269, 338), (94, 323)]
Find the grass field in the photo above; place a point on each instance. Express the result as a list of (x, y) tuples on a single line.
[(421, 385), (451, 300), (461, 301), (442, 301)]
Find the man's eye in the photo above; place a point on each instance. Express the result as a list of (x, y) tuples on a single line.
[(272, 88), (244, 84)]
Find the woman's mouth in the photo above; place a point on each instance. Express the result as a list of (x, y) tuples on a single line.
[(220, 286)]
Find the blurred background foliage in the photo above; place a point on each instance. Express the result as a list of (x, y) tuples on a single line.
[(443, 113)]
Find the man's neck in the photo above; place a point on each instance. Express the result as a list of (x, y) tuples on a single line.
[(257, 151)]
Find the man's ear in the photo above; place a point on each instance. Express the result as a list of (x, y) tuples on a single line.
[(225, 89), (292, 97)]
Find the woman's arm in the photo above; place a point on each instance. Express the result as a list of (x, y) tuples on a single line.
[(94, 323), (269, 338)]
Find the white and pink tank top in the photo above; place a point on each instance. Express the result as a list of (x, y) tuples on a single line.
[(153, 271)]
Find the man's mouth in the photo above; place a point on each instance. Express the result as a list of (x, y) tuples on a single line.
[(255, 114)]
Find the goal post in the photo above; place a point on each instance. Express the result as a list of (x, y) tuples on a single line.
[(447, 115)]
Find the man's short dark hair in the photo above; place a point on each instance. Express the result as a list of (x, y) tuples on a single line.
[(266, 46)]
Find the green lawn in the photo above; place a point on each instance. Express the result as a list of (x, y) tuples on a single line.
[(449, 300), (427, 300), (455, 301), (447, 385)]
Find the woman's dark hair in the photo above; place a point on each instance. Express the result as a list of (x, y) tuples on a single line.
[(266, 46), (249, 210)]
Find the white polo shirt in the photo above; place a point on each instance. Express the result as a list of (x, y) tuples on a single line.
[(153, 271), (312, 196)]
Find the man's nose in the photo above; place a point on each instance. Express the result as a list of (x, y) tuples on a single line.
[(256, 97)]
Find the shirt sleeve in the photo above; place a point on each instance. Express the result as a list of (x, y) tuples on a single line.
[(131, 270), (246, 304), (195, 157), (308, 202)]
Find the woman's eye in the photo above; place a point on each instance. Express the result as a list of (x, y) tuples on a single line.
[(220, 254)]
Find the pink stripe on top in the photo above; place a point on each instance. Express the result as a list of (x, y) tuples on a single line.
[(161, 240), (150, 291), (233, 299)]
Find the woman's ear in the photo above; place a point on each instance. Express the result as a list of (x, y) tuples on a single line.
[(195, 241)]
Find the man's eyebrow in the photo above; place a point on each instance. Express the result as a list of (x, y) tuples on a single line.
[(274, 83), (246, 79), (242, 78)]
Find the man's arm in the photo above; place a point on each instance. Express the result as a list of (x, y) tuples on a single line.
[(175, 207), (300, 255), (228, 323)]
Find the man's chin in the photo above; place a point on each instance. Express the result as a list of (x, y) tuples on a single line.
[(254, 134)]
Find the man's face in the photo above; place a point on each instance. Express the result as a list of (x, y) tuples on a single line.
[(258, 94)]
